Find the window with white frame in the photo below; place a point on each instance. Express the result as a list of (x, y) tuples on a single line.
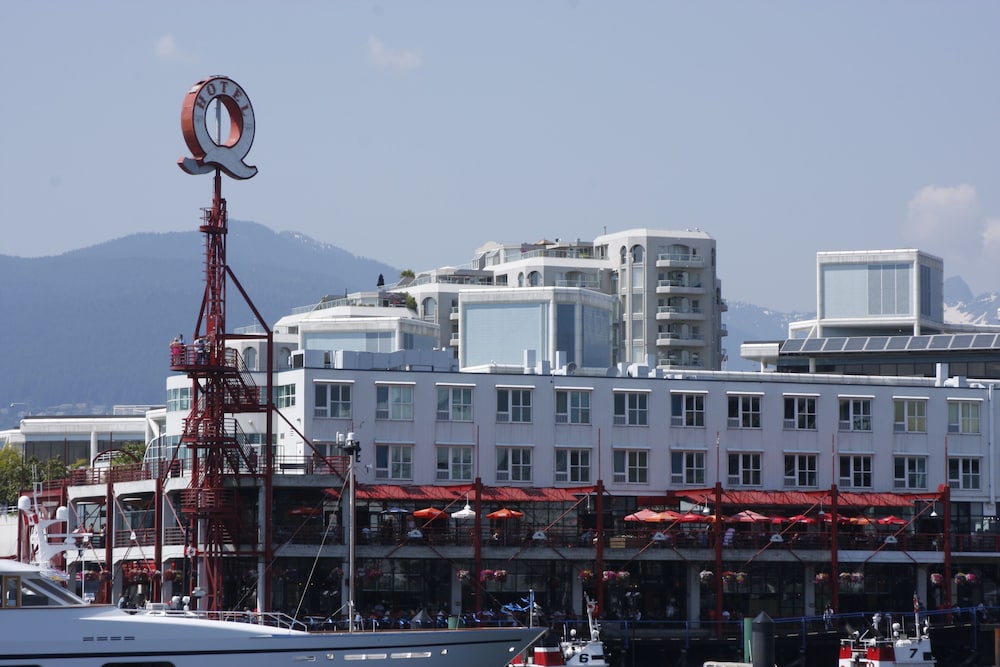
[(333, 400), (687, 467), (855, 414), (284, 396), (513, 464), (744, 411), (631, 408), (909, 472), (178, 398), (963, 416), (800, 413), (394, 402), (909, 415), (687, 410), (856, 471), (514, 405), (454, 463), (800, 470), (963, 472), (572, 406), (744, 469), (394, 462), (572, 465), (631, 466), (454, 404)]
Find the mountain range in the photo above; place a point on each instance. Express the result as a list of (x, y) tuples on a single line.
[(89, 329)]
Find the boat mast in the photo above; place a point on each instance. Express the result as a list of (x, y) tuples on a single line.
[(352, 448)]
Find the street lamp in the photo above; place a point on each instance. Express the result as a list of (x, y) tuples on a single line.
[(352, 448)]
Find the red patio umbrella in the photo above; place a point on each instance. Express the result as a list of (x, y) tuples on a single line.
[(892, 520), (641, 515), (504, 513), (430, 513), (664, 517), (749, 516), (802, 518)]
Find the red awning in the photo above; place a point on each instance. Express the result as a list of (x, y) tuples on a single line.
[(432, 493), (845, 499)]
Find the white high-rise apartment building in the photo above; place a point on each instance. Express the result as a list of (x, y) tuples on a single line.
[(668, 308)]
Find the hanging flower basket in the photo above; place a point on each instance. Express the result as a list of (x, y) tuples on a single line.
[(740, 577), (728, 577), (500, 575), (464, 575), (970, 578), (586, 575), (822, 578), (486, 575), (373, 573), (705, 576), (937, 579)]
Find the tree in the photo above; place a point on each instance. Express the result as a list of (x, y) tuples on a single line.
[(135, 449), (15, 475), (407, 273)]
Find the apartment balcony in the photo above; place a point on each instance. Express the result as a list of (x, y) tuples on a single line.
[(672, 260), (454, 313), (668, 339), (454, 340), (674, 362), (679, 287), (678, 314)]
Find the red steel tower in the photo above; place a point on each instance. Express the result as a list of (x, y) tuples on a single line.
[(220, 455)]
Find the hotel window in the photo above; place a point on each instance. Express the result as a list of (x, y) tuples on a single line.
[(631, 466), (800, 413), (963, 473), (454, 463), (910, 472), (394, 402), (744, 469), (909, 415), (856, 471), (573, 465), (963, 416), (687, 467), (687, 410), (513, 464), (514, 405), (800, 470), (333, 400), (178, 399), (454, 404), (631, 408), (394, 462), (855, 414), (744, 412), (572, 406), (284, 396)]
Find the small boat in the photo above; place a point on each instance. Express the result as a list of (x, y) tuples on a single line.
[(896, 648), (573, 651)]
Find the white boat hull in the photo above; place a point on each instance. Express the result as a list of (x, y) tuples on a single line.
[(96, 636)]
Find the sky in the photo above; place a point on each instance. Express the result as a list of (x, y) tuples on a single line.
[(413, 133)]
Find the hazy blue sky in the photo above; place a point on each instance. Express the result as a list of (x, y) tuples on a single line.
[(412, 132)]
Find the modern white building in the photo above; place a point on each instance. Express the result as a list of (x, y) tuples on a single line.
[(669, 302)]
